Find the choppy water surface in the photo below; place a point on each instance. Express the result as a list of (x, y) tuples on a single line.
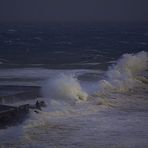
[(88, 106)]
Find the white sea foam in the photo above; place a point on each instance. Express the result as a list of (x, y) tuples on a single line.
[(123, 75), (64, 87)]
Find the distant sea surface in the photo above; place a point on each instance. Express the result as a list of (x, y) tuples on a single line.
[(69, 45)]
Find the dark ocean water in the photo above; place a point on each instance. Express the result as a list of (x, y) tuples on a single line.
[(88, 104), (69, 45)]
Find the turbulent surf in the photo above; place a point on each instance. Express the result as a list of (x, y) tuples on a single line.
[(93, 79)]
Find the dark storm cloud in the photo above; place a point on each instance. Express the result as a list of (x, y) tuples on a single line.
[(73, 10)]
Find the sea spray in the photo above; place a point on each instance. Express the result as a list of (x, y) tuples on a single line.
[(64, 87), (123, 75), (120, 77)]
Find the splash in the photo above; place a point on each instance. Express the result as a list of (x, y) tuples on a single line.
[(64, 87), (120, 77), (123, 75)]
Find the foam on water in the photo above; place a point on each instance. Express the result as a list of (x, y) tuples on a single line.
[(62, 121), (64, 87), (123, 75)]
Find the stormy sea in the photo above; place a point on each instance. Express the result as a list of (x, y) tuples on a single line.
[(93, 78)]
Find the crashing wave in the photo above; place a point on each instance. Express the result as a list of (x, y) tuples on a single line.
[(124, 75)]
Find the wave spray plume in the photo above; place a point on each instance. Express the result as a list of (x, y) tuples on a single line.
[(64, 87), (124, 74)]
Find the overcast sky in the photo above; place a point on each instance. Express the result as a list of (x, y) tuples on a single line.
[(73, 10)]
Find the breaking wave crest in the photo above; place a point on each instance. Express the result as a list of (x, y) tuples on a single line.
[(64, 87), (125, 74), (122, 76)]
